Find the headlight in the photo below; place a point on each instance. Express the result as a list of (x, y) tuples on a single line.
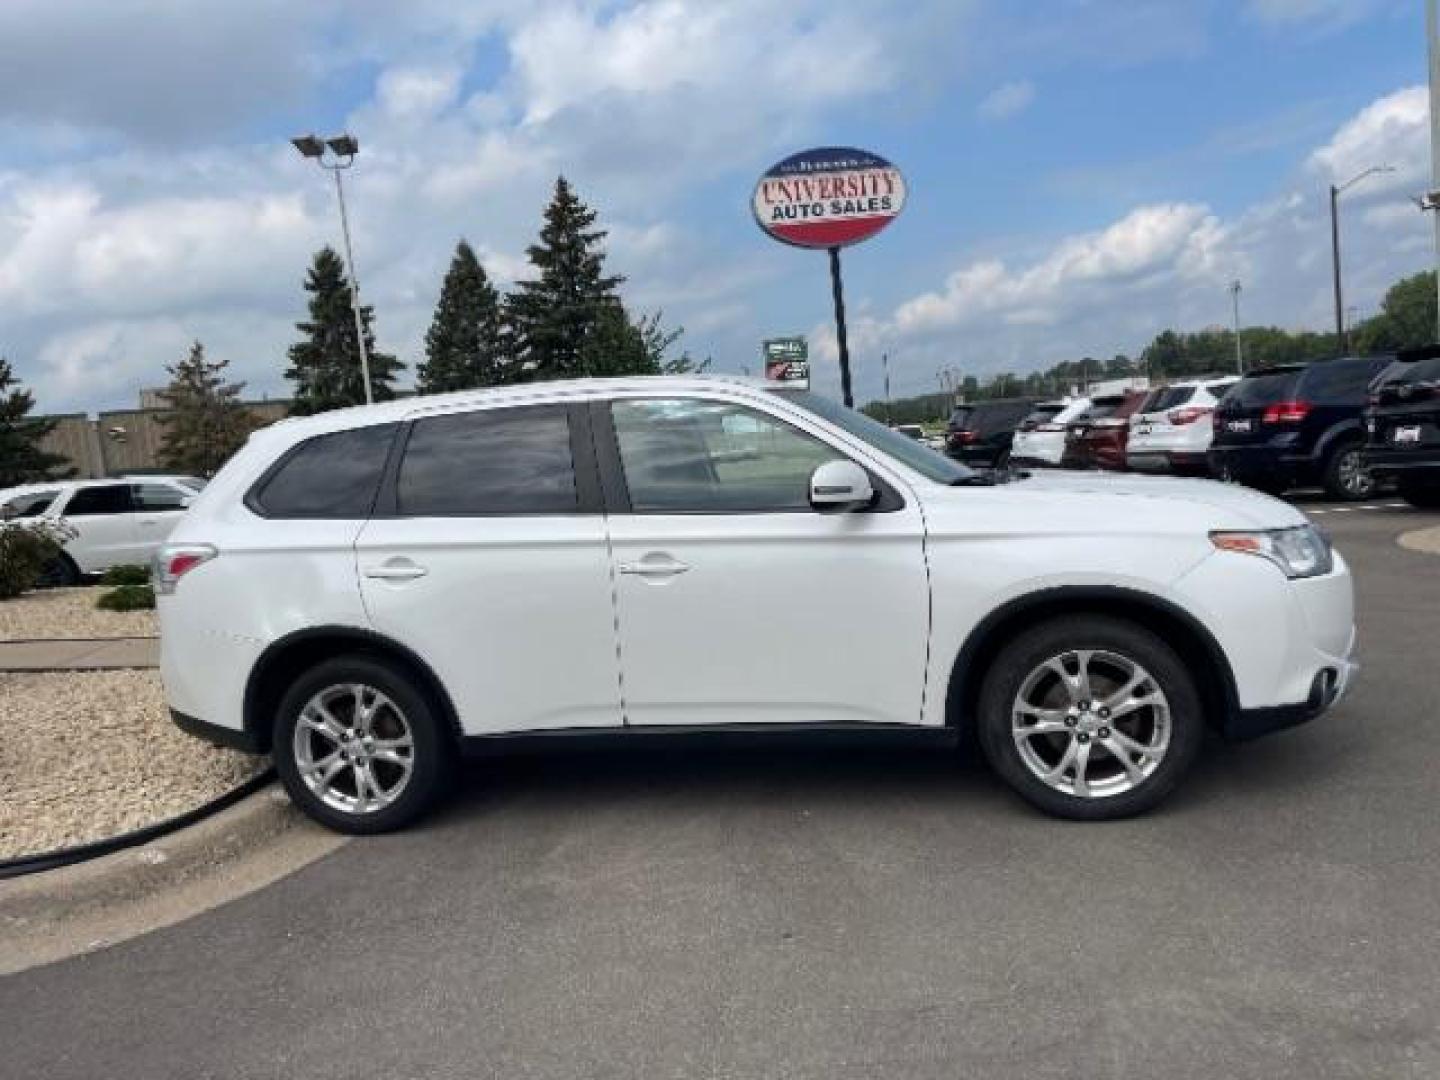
[(1301, 552)]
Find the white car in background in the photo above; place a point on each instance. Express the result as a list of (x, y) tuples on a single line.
[(1043, 442), (1172, 432), (116, 522)]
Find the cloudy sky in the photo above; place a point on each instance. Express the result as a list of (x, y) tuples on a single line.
[(1083, 173)]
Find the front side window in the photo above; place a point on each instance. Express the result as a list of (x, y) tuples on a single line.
[(493, 461), (96, 501), (157, 497), (684, 455), (329, 476)]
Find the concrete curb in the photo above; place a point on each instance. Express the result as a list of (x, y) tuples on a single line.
[(59, 913), (1422, 540)]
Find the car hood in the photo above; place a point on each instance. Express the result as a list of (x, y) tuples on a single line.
[(1235, 506)]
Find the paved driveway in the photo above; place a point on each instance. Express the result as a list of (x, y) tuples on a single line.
[(813, 914)]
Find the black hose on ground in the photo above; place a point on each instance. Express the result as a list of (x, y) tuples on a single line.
[(53, 860)]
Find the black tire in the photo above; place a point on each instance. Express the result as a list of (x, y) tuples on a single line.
[(1421, 496), (61, 573), (1030, 651), (432, 761), (1341, 481)]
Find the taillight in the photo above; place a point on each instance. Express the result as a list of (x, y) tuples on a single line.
[(967, 436), (174, 561), (1286, 412), (1188, 415)]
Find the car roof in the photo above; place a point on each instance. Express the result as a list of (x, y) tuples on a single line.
[(75, 485), (550, 390)]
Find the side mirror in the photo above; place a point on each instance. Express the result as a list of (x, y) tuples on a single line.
[(840, 485)]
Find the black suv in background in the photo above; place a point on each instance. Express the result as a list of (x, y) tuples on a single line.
[(981, 434), (1403, 422), (1298, 424)]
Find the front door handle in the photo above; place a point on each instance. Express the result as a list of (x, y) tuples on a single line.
[(655, 566), (396, 570)]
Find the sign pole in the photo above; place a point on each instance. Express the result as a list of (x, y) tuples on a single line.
[(837, 291)]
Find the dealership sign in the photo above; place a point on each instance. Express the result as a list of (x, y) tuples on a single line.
[(787, 360), (829, 197)]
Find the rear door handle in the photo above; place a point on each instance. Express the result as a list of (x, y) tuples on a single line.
[(396, 570), (655, 566)]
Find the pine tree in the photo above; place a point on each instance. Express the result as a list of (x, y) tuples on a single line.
[(463, 346), (325, 366), (206, 422), (21, 459), (551, 318)]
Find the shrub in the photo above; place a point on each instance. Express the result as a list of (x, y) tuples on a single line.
[(126, 574), (25, 551), (127, 598)]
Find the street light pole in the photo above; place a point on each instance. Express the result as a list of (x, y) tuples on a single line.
[(1335, 193), (1432, 32), (1235, 303), (343, 149)]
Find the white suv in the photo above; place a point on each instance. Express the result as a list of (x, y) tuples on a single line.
[(368, 594), (1173, 430), (115, 522)]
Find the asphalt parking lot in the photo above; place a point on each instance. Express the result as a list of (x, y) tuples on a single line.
[(826, 914)]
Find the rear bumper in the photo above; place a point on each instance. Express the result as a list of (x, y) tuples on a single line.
[(1262, 461), (1386, 463)]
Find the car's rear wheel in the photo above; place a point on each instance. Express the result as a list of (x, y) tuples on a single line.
[(60, 573), (1346, 475), (359, 746), (1422, 496), (1090, 717)]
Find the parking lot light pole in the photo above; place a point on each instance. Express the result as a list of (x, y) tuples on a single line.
[(1335, 192), (1235, 304), (343, 149)]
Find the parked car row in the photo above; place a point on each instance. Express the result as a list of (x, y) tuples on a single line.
[(1345, 425)]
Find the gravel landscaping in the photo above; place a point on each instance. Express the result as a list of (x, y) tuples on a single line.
[(89, 755), (69, 613)]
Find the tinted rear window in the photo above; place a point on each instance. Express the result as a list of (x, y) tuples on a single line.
[(1265, 389), (329, 476), (30, 505), (1041, 413), (1337, 380), (1100, 408), (959, 417), (1169, 398), (109, 499), (495, 461), (998, 417), (1416, 371)]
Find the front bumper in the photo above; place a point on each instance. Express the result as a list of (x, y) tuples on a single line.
[(1328, 687)]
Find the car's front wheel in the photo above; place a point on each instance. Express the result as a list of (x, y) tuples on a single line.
[(1090, 717), (359, 746)]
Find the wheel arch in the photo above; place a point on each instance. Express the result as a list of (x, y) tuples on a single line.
[(1179, 629), (285, 659)]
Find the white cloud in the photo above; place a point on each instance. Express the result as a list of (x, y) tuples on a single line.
[(1007, 100), (1394, 131)]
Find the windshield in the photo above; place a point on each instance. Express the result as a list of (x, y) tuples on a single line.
[(1264, 389), (928, 463)]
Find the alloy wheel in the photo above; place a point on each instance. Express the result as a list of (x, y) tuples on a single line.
[(1091, 723), (354, 748), (1355, 479)]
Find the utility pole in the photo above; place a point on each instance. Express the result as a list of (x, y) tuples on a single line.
[(1335, 192), (885, 363), (1432, 31), (1235, 304)]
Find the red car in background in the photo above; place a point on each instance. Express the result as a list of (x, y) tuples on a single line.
[(1096, 440)]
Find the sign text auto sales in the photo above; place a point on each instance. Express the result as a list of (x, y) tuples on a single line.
[(847, 194)]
